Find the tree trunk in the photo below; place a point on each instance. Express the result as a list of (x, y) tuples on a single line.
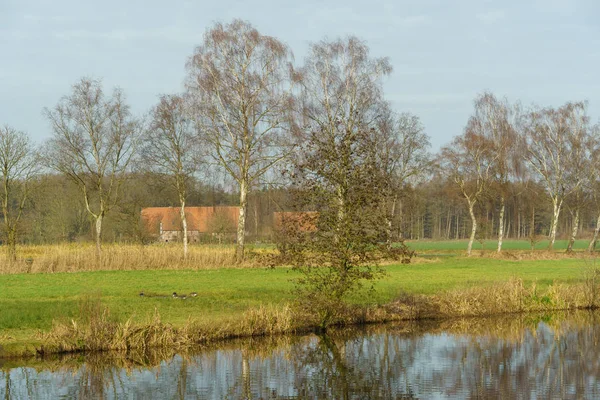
[(592, 244), (574, 231), (473, 227), (400, 220), (99, 235), (457, 228), (11, 245), (519, 224), (184, 227), (390, 218), (532, 229), (241, 228), (501, 224), (556, 205), (255, 218)]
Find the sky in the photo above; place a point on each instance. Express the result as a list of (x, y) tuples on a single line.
[(444, 52)]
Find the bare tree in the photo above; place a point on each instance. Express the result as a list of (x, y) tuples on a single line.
[(404, 156), (18, 166), (556, 145), (592, 182), (580, 164), (238, 79), (94, 138), (493, 120), (170, 150), (467, 161)]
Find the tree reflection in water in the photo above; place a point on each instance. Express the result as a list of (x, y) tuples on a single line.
[(510, 358)]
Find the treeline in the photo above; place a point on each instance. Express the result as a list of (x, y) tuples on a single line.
[(55, 211), (274, 130)]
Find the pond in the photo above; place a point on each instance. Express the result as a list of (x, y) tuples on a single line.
[(539, 356)]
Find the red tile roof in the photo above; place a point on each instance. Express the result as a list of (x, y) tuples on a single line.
[(198, 218)]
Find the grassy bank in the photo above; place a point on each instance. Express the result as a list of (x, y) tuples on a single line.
[(228, 298)]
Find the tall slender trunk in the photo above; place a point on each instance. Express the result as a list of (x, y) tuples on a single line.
[(390, 218), (456, 228), (490, 232), (11, 244), (400, 220), (255, 217), (556, 205), (532, 229), (99, 219), (592, 244), (473, 226), (241, 228), (184, 228), (573, 231), (501, 224)]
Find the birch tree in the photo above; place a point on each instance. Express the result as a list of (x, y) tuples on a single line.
[(592, 183), (404, 155), (170, 150), (19, 164), (579, 165), (238, 81), (493, 120), (93, 140), (468, 162), (555, 143)]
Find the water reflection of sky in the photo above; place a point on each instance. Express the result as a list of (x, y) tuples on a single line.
[(540, 363)]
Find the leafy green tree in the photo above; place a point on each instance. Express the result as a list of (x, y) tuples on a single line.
[(337, 171)]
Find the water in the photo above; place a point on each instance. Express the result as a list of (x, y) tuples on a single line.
[(540, 357)]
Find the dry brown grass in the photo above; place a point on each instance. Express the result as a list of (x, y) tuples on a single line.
[(82, 257), (528, 255), (511, 296), (94, 330), (508, 297)]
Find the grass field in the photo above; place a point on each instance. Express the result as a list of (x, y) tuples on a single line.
[(30, 302), (461, 245)]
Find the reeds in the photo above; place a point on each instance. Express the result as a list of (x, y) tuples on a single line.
[(95, 330), (82, 257), (513, 296)]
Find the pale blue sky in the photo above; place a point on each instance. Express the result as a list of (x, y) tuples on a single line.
[(444, 52)]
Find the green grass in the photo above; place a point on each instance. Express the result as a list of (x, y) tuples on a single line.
[(461, 245), (29, 302)]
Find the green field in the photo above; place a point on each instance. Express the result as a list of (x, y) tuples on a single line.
[(431, 245), (30, 302)]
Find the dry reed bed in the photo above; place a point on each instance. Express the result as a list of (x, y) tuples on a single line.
[(532, 255), (98, 332), (501, 298), (76, 258)]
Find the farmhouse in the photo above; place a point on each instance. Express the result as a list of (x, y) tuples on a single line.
[(164, 223)]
